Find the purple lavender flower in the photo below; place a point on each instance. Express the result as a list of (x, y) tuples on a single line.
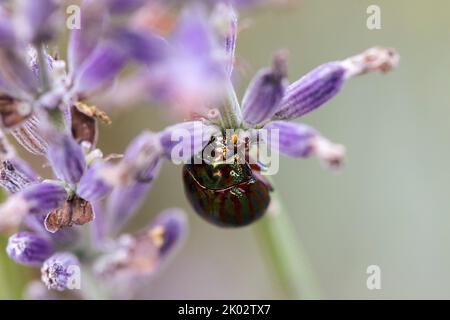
[(65, 201), (190, 73), (145, 252), (60, 271), (42, 104), (38, 21), (29, 249), (36, 88), (135, 175), (265, 92)]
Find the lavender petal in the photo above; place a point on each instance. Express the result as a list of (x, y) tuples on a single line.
[(311, 91), (38, 19), (144, 47), (7, 35), (92, 186), (66, 158), (299, 140), (124, 202), (124, 6), (182, 141), (193, 34), (265, 92), (44, 196), (167, 230), (225, 17), (83, 41), (100, 68), (294, 139)]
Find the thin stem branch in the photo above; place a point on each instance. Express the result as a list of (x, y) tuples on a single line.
[(277, 236)]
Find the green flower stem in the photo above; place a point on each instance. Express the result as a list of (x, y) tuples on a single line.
[(230, 111), (43, 68), (290, 264)]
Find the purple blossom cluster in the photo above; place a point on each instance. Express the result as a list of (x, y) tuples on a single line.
[(46, 106)]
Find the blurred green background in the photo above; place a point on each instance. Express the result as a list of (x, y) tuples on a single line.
[(389, 206)]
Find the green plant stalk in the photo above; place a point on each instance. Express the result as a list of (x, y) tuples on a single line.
[(230, 111), (43, 71), (289, 261)]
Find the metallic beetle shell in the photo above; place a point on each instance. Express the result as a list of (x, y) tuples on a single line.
[(228, 195)]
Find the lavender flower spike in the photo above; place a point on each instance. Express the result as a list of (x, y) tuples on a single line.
[(299, 140), (266, 91), (323, 83), (61, 271), (28, 249)]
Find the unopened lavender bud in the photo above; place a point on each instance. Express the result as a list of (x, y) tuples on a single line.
[(28, 249), (311, 91), (265, 91), (29, 135), (301, 141), (12, 179), (324, 82), (60, 271)]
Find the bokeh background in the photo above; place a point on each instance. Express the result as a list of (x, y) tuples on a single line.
[(389, 206)]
